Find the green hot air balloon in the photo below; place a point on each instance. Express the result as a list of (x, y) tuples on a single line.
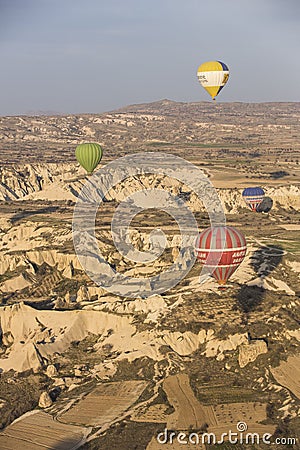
[(88, 155)]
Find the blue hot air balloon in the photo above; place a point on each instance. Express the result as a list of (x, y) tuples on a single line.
[(253, 196)]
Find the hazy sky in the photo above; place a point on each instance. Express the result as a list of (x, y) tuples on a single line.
[(96, 55)]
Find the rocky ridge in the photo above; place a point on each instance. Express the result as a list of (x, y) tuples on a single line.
[(65, 181)]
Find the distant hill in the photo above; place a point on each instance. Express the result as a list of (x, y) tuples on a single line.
[(175, 126)]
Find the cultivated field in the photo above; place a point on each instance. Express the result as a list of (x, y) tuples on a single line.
[(39, 431), (104, 404)]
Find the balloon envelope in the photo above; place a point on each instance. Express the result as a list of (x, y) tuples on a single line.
[(213, 75), (221, 249), (88, 155), (253, 196)]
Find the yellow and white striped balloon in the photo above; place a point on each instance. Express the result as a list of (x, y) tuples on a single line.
[(213, 75)]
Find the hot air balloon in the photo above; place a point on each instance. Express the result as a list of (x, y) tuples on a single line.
[(253, 196), (213, 76), (88, 155), (221, 249)]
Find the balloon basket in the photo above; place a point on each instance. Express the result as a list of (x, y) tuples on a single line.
[(223, 287)]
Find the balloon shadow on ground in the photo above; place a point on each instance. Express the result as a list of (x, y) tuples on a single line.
[(263, 261), (265, 206)]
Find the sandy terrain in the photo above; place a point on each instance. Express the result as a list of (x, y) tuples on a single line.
[(39, 431), (288, 374)]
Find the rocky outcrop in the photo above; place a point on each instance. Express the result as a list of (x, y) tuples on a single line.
[(37, 335), (184, 343), (15, 284), (64, 182), (217, 347), (45, 400), (153, 304), (82, 294), (248, 352), (51, 371), (104, 371), (33, 336)]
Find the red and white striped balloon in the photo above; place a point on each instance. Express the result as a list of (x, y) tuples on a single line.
[(221, 249)]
